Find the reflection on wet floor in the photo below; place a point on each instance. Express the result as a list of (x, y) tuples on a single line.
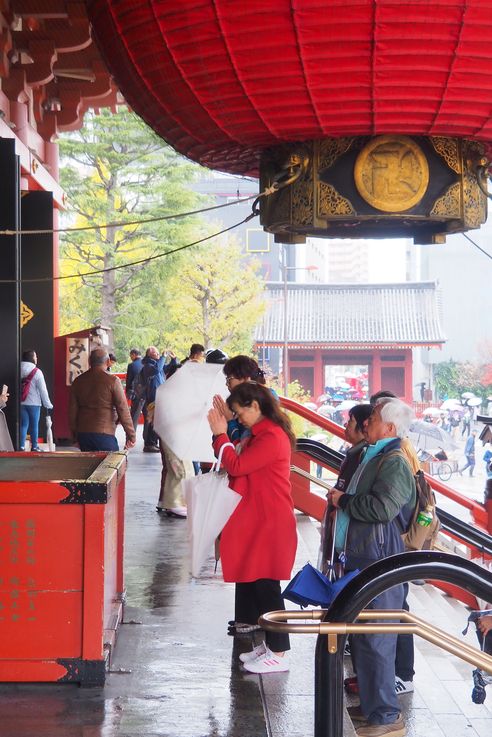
[(175, 671)]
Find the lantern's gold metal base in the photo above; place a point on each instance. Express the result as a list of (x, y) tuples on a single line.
[(387, 186)]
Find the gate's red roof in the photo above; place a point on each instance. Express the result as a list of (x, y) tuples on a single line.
[(222, 79)]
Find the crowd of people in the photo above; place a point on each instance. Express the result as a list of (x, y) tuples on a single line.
[(369, 507)]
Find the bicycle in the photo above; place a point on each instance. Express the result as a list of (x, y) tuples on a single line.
[(444, 471)]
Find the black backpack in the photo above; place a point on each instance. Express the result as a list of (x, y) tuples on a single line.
[(139, 386)]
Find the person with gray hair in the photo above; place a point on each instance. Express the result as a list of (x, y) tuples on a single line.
[(405, 651), (372, 513), (97, 404), (397, 412)]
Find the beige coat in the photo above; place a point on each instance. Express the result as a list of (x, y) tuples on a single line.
[(5, 440)]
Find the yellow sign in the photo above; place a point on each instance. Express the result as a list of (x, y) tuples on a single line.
[(26, 314), (391, 173)]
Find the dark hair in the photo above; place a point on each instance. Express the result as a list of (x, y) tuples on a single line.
[(29, 356), (112, 357), (250, 391), (136, 351), (244, 367), (196, 348), (215, 356), (383, 394), (360, 413)]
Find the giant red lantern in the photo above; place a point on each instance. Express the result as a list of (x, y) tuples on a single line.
[(224, 81)]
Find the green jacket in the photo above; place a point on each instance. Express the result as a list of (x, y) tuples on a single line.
[(381, 508)]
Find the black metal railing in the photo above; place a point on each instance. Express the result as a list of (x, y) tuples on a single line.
[(372, 581)]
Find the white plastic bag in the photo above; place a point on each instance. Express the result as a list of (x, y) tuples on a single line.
[(210, 502)]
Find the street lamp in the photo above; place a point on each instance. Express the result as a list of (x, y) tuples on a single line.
[(285, 269)]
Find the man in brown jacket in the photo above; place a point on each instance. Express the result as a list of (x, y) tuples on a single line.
[(97, 404)]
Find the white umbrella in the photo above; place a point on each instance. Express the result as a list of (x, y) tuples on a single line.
[(326, 410), (467, 395), (474, 401), (346, 404), (49, 434), (181, 408), (210, 502), (425, 436), (451, 404), (432, 411), (310, 405)]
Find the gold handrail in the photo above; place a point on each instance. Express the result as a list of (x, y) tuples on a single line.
[(277, 622), (310, 477)]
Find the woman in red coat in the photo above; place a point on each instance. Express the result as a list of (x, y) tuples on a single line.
[(258, 543)]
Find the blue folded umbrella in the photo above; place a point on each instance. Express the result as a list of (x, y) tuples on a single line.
[(309, 586)]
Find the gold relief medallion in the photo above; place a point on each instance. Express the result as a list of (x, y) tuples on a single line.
[(391, 173)]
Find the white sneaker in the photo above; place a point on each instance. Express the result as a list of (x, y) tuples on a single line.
[(180, 512), (268, 663), (255, 653), (402, 687)]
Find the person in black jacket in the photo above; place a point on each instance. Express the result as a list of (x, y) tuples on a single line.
[(132, 371), (153, 374), (354, 434)]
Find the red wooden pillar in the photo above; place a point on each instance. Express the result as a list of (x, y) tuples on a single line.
[(319, 378), (408, 369), (375, 383)]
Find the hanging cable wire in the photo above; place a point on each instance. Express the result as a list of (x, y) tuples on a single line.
[(486, 253), (124, 223), (147, 259), (283, 179)]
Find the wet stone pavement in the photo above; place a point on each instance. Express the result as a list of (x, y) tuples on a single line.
[(175, 671)]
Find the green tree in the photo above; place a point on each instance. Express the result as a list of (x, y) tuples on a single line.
[(446, 378), (117, 170), (452, 379), (215, 299)]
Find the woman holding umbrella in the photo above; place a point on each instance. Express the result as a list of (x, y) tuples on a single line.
[(258, 543)]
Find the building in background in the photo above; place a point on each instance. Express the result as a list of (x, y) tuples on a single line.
[(371, 329)]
